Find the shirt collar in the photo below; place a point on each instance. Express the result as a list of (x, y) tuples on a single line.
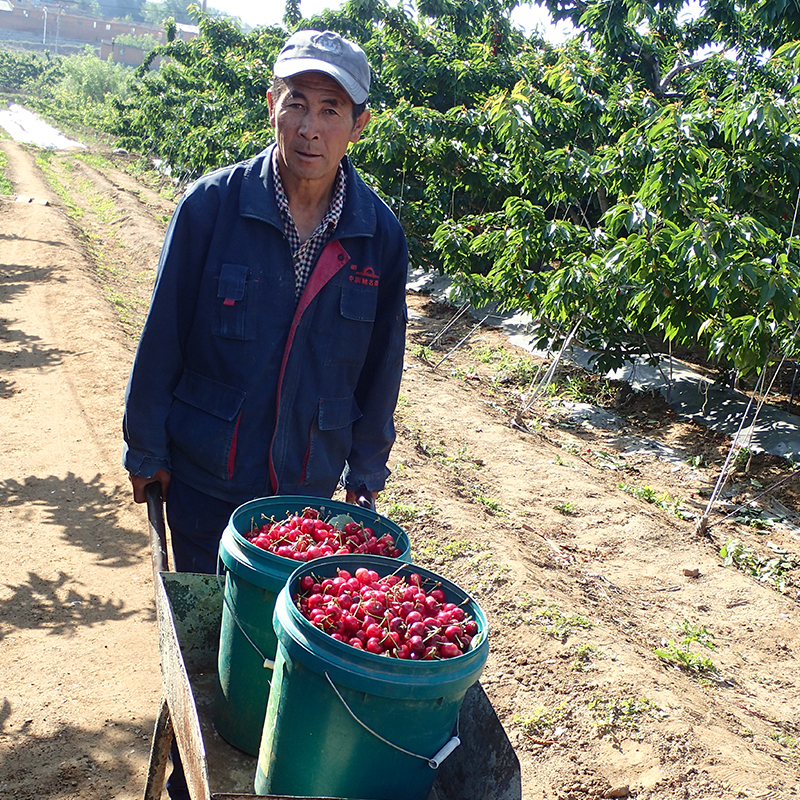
[(332, 215)]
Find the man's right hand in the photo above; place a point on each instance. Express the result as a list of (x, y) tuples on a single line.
[(138, 483)]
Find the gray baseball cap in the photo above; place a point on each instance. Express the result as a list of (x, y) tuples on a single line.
[(316, 51)]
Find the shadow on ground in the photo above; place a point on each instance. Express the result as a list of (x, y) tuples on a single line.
[(70, 760), (83, 514)]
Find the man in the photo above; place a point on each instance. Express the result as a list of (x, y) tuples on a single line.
[(271, 357)]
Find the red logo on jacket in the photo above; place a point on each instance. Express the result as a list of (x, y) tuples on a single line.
[(364, 275)]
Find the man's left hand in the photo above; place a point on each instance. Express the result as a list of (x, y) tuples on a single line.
[(361, 497)]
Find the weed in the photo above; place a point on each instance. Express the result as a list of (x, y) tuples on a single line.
[(432, 550), (581, 387), (742, 457), (639, 492), (543, 720), (144, 172), (422, 443), (521, 606), (681, 656), (566, 508), (611, 715), (489, 503), (665, 501), (558, 625), (508, 368), (65, 183), (694, 633), (534, 424), (422, 352), (747, 515), (460, 458), (770, 570), (562, 463), (584, 653), (96, 160), (785, 740), (684, 659), (608, 461), (401, 513), (487, 571), (767, 680)]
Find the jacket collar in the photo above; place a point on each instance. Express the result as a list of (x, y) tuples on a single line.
[(257, 198)]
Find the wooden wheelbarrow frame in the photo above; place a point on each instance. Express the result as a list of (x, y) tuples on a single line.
[(189, 611)]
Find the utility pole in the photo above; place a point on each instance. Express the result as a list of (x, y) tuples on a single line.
[(44, 33)]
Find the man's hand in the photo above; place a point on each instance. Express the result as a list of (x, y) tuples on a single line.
[(138, 483), (360, 497)]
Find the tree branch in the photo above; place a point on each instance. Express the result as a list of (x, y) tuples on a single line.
[(678, 68)]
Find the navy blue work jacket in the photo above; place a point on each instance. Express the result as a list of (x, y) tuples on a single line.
[(240, 390)]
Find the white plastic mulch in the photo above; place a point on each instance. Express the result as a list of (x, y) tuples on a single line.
[(24, 126)]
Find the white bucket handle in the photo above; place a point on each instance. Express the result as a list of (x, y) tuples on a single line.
[(434, 762)]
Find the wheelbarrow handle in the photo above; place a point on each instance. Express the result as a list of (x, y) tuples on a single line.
[(158, 530)]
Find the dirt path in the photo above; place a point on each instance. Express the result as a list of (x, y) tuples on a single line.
[(80, 671), (627, 660)]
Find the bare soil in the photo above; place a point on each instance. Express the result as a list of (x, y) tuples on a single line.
[(627, 658)]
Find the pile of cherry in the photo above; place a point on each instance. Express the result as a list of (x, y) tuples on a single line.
[(387, 615), (304, 537)]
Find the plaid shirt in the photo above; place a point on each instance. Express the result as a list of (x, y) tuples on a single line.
[(305, 254)]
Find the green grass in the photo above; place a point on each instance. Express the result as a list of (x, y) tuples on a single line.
[(6, 187), (130, 311)]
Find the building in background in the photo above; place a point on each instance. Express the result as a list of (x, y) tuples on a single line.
[(62, 29)]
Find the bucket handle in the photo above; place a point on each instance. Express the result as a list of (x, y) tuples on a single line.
[(268, 663), (434, 762)]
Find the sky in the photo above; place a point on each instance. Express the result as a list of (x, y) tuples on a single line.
[(269, 12)]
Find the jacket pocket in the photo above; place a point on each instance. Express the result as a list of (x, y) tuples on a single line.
[(359, 302), (234, 312), (203, 421), (331, 441), (357, 307), (337, 412)]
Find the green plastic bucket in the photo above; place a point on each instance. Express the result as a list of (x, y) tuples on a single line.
[(253, 578), (343, 722)]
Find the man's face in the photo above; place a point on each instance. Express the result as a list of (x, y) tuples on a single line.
[(313, 124)]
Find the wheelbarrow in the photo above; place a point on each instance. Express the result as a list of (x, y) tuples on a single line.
[(189, 613)]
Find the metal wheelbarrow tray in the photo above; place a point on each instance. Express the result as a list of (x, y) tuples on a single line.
[(189, 612)]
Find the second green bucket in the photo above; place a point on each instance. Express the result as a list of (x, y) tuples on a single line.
[(342, 722), (253, 579)]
